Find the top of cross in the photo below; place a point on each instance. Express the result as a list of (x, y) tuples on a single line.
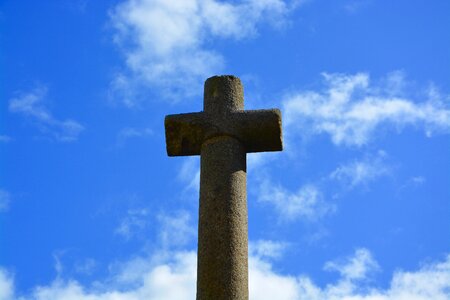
[(223, 115)]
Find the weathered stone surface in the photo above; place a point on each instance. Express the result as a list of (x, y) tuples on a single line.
[(258, 130), (222, 134), (222, 267)]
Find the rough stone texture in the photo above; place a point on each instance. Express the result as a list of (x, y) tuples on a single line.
[(258, 130), (222, 268), (222, 134)]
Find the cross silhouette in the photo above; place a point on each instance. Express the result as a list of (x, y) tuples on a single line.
[(222, 135)]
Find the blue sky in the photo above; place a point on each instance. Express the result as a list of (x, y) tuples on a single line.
[(357, 205)]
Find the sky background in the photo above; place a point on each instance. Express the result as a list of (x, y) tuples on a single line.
[(357, 205)]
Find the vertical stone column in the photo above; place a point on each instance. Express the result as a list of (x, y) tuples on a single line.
[(223, 226), (222, 134)]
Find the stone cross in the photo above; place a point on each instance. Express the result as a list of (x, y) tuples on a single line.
[(222, 135)]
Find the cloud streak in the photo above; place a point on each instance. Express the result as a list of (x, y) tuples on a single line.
[(5, 139), (176, 230), (133, 224), (5, 199), (361, 172), (128, 133), (305, 204), (189, 174), (30, 105)]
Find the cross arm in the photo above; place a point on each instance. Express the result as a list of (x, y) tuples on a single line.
[(259, 130), (184, 133)]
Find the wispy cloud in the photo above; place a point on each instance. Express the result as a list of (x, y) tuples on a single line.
[(413, 182), (305, 204), (168, 44), (354, 6), (176, 230), (267, 249), (357, 266), (350, 109), (76, 6), (133, 223), (132, 133), (31, 105), (5, 139), (309, 202), (361, 172), (58, 264), (418, 180), (86, 266), (189, 174), (174, 277), (5, 199), (6, 285)]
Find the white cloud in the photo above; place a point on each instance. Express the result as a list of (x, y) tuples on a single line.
[(429, 282), (267, 249), (358, 266), (168, 44), (5, 199), (351, 110), (174, 230), (6, 285), (305, 204), (170, 279), (31, 106), (174, 277), (362, 171), (265, 283)]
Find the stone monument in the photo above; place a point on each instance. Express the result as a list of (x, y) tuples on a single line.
[(222, 134)]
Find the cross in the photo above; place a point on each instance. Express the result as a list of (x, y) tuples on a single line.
[(222, 134)]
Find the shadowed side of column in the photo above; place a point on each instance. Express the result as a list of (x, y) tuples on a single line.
[(223, 230)]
